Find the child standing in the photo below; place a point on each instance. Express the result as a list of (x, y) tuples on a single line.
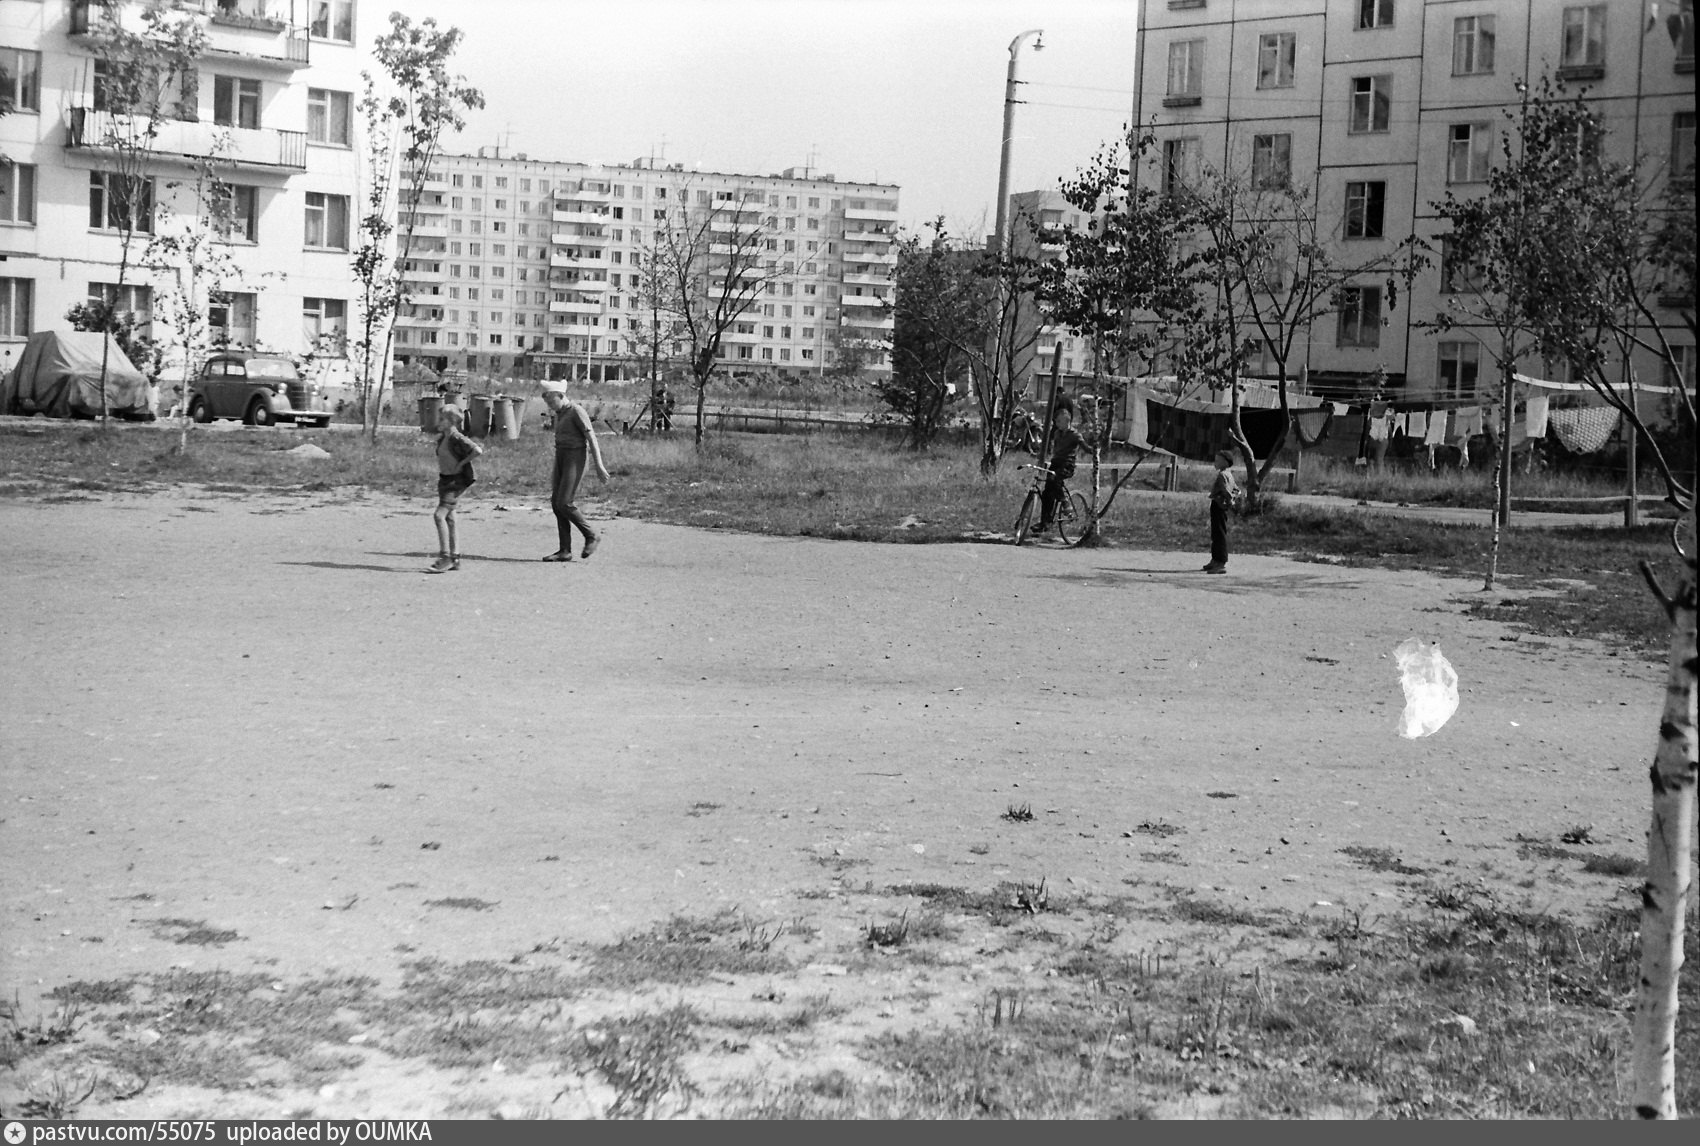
[(1224, 495), (455, 452)]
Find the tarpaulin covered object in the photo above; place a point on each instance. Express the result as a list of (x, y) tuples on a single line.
[(58, 374)]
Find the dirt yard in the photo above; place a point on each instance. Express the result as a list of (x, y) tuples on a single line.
[(245, 734)]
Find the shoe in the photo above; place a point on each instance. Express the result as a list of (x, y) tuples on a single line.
[(454, 559), (1042, 527), (563, 555), (1215, 568), (441, 565), (1208, 567), (590, 546)]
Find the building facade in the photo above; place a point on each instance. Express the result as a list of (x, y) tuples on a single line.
[(538, 266), (1388, 105), (273, 95)]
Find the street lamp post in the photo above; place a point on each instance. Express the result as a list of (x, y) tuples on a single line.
[(1000, 237)]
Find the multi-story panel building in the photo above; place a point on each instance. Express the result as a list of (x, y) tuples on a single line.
[(539, 265), (1387, 105), (273, 95)]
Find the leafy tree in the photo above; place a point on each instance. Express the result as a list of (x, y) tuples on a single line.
[(405, 110), (141, 79), (143, 350), (1569, 252), (940, 307)]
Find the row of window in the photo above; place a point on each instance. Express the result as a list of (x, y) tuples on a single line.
[(1582, 48), (704, 196)]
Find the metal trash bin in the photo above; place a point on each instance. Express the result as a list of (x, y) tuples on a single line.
[(478, 416), (429, 406), (502, 421)]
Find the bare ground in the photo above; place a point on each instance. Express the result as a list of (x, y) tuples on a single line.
[(245, 734)]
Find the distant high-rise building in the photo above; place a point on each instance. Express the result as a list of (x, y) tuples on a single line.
[(522, 263)]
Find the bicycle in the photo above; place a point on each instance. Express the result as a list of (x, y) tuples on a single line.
[(1072, 510)]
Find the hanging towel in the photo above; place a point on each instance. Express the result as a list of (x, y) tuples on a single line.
[(1340, 409), (1416, 425), (1535, 416), (1467, 423), (1380, 427), (1436, 434), (1400, 421), (1584, 431)]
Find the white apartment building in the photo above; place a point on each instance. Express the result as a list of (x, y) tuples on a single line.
[(279, 78), (1388, 105), (535, 266)]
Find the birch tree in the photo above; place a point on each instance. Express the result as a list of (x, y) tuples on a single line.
[(140, 79), (405, 110), (940, 308)]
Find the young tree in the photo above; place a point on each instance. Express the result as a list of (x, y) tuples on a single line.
[(1278, 271), (190, 251), (940, 307), (405, 110), (142, 77), (710, 259)]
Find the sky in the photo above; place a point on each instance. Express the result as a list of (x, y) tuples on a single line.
[(893, 91)]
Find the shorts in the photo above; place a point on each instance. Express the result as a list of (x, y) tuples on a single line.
[(451, 486)]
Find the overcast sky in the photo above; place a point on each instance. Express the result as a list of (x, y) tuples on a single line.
[(895, 91)]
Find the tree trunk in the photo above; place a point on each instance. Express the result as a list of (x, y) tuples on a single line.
[(1501, 478), (1664, 897)]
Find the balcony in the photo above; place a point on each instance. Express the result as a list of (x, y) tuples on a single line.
[(875, 257), (562, 195), (568, 239), (236, 29), (867, 280), (575, 307), (262, 148), (882, 216), (863, 300), (591, 218), (583, 286), (575, 262), (868, 236)]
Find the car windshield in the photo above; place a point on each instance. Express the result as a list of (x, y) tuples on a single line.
[(275, 368)]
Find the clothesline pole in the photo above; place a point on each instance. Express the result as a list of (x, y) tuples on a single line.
[(1631, 504)]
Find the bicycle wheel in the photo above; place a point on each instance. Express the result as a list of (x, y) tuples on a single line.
[(1025, 517), (1072, 517)]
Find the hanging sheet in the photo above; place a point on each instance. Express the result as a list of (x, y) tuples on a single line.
[(1584, 431), (1535, 416), (1200, 432)]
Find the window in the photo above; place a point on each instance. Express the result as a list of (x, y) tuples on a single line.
[(1360, 317), (1366, 207), (20, 83), (1375, 13), (1186, 70), (117, 204), (477, 183), (501, 183), (1584, 39), (230, 317), (327, 220), (239, 216), (328, 118), (325, 323), (17, 187), (1372, 100), (1683, 375), (236, 102), (1457, 275), (1467, 152), (332, 20), (1277, 54), (1681, 147), (1271, 161), (1472, 45), (1180, 164), (17, 299), (132, 302), (1459, 363)]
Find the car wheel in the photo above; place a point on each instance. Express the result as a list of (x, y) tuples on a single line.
[(200, 411), (260, 414)]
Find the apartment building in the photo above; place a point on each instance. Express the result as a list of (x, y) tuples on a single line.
[(1387, 105), (536, 266), (277, 80), (1029, 211)]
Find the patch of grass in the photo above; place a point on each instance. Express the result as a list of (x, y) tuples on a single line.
[(1158, 828), (702, 808), (641, 1058), (100, 992), (682, 950), (887, 934), (191, 932), (1381, 859), (1615, 865), (462, 903), (1019, 813), (1530, 848), (1192, 909)]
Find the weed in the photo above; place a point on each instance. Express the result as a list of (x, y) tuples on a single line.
[(1158, 828), (839, 863), (461, 903), (1019, 813), (191, 932), (640, 1057), (760, 938), (1030, 897), (979, 849), (703, 808), (681, 950), (1580, 834), (1531, 848), (60, 1099), (888, 934), (1195, 910)]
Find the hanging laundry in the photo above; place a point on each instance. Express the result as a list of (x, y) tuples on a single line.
[(1311, 426), (1399, 423), (1535, 416), (1380, 428), (1377, 409), (1466, 423), (1340, 409), (1416, 425), (1199, 433), (1586, 430), (1436, 434)]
